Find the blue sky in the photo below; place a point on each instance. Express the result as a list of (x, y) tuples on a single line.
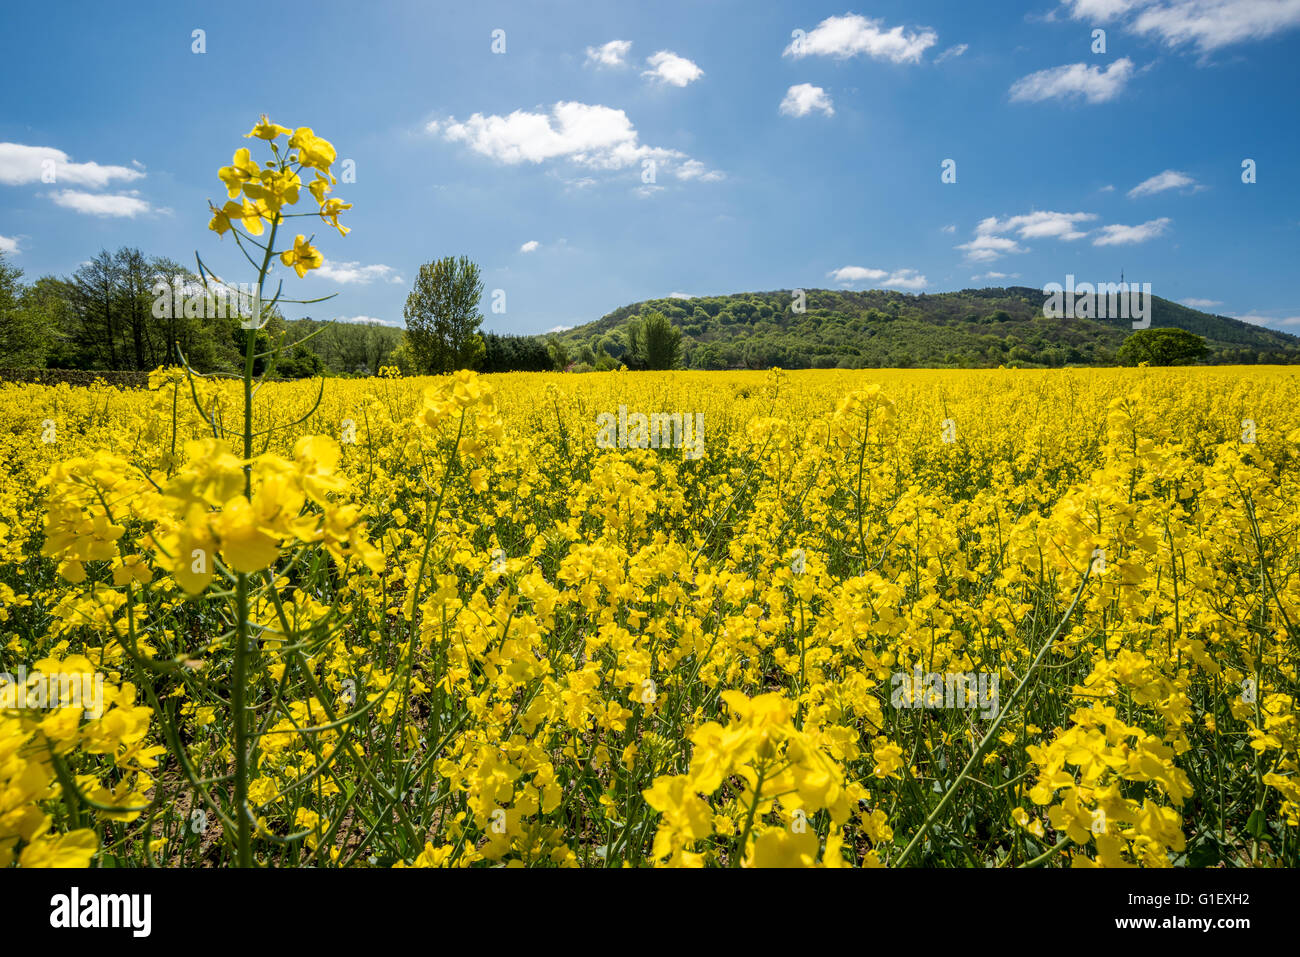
[(779, 160)]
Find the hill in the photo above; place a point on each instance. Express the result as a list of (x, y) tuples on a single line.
[(882, 328)]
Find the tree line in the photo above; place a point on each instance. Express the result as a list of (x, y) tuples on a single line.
[(127, 312), (443, 322)]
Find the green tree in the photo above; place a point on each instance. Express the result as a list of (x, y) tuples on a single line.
[(559, 353), (404, 357), (653, 343), (442, 316), (301, 363), (51, 322), (22, 331), (1162, 347), (94, 295)]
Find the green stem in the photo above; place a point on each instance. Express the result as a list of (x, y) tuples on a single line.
[(239, 670), (238, 706), (749, 820), (991, 735)]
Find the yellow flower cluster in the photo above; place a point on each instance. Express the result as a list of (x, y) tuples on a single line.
[(35, 750), (199, 518), (261, 194)]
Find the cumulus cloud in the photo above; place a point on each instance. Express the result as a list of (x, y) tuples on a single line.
[(905, 279), (591, 136), (991, 242), (613, 53), (995, 238), (101, 204), (21, 164), (1118, 235), (803, 98), (884, 278), (986, 248), (364, 320), (559, 328), (1092, 83), (1207, 25), (667, 67), (529, 246), (1039, 225), (1100, 11), (1169, 179), (857, 274), (680, 295), (1259, 320), (854, 35), (353, 273), (694, 169), (8, 246)]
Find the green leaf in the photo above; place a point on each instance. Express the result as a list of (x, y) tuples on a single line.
[(1256, 824)]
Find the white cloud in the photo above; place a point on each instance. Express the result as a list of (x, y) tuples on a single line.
[(1169, 179), (803, 98), (851, 35), (1118, 235), (986, 248), (355, 273), (952, 52), (668, 67), (1075, 79), (364, 320), (1202, 303), (21, 164), (596, 137), (950, 228), (1108, 188), (857, 274), (612, 53), (905, 279), (1207, 24), (8, 246), (995, 275), (990, 243), (694, 169), (1259, 320), (529, 246), (992, 238), (1039, 225), (1100, 11), (898, 279), (680, 295), (101, 204), (559, 328)]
